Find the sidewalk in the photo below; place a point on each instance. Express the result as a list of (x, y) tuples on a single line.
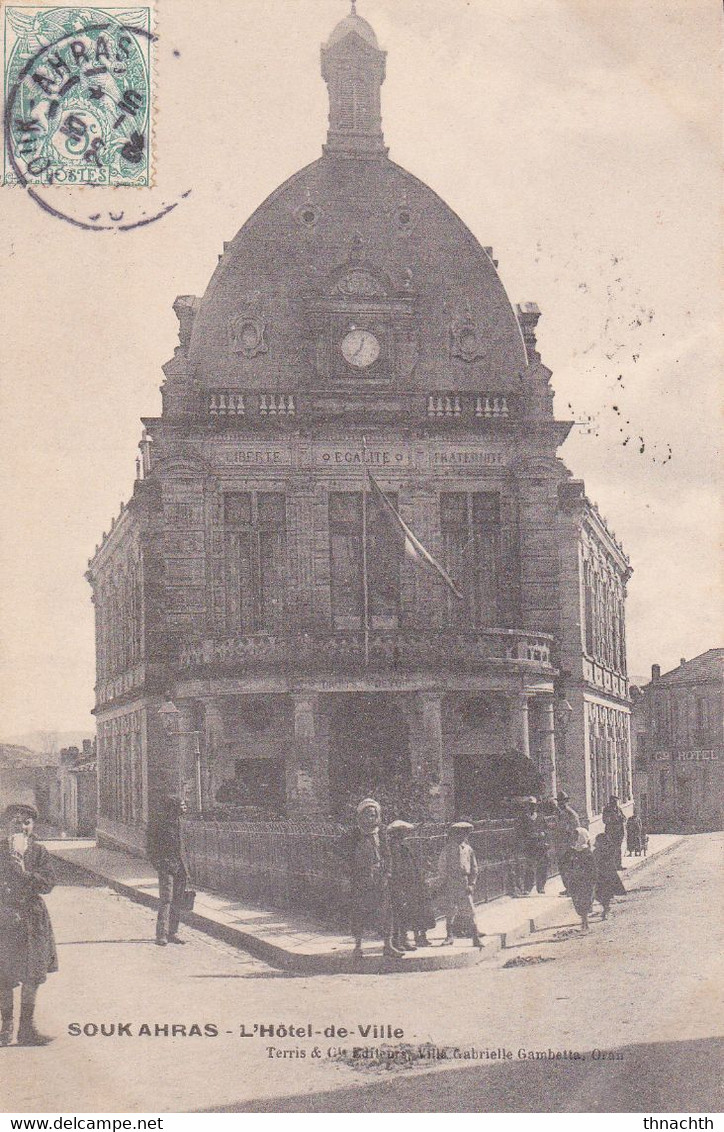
[(296, 943)]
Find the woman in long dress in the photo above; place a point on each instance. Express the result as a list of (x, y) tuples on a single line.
[(582, 876), (608, 882)]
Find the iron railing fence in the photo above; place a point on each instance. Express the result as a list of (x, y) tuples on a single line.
[(304, 867)]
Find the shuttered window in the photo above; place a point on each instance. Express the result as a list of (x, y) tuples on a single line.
[(255, 547), (470, 529)]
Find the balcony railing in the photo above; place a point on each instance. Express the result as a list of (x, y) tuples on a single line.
[(396, 650), (479, 406)]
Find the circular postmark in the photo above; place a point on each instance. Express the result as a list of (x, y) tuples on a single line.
[(78, 112)]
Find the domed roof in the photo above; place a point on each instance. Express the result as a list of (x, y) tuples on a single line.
[(296, 248), (353, 23)]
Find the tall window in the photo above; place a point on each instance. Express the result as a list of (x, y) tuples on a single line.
[(255, 550), (383, 561), (470, 527)]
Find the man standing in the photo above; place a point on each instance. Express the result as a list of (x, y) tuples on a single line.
[(531, 847), (166, 854), (27, 946), (614, 823), (565, 836)]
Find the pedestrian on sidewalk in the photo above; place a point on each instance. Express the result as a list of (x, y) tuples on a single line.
[(608, 882), (27, 945), (165, 852), (371, 908), (412, 909), (458, 872), (635, 834), (531, 847), (564, 836), (582, 876), (614, 823)]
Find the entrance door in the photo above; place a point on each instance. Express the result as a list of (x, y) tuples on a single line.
[(369, 747)]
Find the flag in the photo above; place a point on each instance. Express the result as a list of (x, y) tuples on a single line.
[(414, 550)]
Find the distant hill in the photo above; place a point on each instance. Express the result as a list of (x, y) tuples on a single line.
[(14, 755), (49, 743)]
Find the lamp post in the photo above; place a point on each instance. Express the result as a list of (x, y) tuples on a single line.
[(171, 719), (562, 713)]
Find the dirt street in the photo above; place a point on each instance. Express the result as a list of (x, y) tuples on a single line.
[(630, 1009)]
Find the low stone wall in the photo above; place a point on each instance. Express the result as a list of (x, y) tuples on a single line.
[(302, 866)]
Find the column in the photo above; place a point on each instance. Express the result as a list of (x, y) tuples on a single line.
[(211, 758), (523, 726), (430, 761), (308, 763), (548, 749)]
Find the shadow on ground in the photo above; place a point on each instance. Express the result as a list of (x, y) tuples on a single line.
[(70, 876), (659, 1077)]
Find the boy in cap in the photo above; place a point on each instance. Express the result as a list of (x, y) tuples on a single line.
[(27, 945), (411, 907), (458, 871)]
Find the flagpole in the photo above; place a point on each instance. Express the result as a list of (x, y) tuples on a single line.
[(365, 583)]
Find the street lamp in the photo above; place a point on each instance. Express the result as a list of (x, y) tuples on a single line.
[(171, 719)]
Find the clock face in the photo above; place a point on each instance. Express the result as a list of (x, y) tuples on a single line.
[(360, 348)]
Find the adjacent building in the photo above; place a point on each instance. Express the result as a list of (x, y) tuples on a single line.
[(679, 745), (78, 790), (355, 325)]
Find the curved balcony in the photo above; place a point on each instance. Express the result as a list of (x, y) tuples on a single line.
[(397, 650)]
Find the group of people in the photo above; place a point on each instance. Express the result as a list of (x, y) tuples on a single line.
[(591, 871), (389, 892), (391, 896)]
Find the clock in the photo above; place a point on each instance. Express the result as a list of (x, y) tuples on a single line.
[(360, 348)]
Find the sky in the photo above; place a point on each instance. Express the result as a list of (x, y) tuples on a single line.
[(581, 140)]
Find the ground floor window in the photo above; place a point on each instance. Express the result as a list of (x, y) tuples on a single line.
[(609, 754), (120, 768)]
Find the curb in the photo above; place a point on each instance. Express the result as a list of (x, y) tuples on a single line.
[(301, 963)]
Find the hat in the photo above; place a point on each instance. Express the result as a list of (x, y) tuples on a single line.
[(369, 803), (583, 839), (561, 796), (23, 808), (399, 826), (466, 825)]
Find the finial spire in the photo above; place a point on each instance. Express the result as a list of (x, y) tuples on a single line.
[(353, 66)]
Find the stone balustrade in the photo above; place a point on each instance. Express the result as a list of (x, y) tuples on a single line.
[(400, 650), (479, 406)]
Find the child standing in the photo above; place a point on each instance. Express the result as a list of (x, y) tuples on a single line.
[(458, 871), (411, 907)]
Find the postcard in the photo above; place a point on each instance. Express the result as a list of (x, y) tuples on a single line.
[(362, 738)]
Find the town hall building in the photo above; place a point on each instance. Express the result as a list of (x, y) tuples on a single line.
[(254, 592)]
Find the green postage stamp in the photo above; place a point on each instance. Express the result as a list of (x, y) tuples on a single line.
[(77, 96)]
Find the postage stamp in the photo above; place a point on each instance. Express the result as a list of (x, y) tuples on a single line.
[(78, 96)]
